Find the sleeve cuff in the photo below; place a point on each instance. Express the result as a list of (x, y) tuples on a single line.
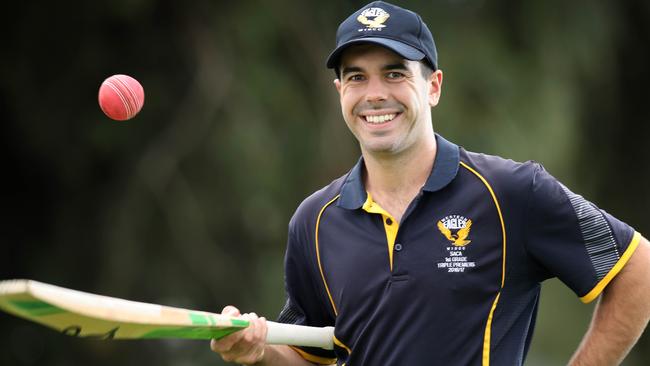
[(313, 358), (600, 286)]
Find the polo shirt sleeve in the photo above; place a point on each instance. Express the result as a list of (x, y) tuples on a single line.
[(572, 239), (304, 302)]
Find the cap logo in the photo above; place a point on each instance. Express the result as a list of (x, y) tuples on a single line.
[(455, 222), (373, 19)]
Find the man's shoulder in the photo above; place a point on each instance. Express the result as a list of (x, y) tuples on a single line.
[(499, 170), (309, 209)]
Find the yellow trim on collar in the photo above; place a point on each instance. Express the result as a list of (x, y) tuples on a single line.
[(371, 206), (591, 295)]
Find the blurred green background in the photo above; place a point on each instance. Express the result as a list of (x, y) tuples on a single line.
[(188, 203)]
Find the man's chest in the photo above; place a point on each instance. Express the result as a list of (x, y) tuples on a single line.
[(445, 249)]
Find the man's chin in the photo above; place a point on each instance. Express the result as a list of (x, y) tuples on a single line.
[(381, 148)]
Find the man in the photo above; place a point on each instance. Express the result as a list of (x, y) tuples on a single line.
[(427, 254)]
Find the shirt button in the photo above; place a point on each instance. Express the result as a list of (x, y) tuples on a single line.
[(398, 247), (389, 221)]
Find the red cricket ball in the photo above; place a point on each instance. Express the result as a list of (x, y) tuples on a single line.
[(121, 97)]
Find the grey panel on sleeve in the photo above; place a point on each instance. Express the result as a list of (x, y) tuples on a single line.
[(598, 238)]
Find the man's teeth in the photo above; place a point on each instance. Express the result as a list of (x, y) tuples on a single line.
[(380, 119)]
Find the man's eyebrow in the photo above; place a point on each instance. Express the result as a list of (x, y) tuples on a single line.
[(395, 66), (350, 69)]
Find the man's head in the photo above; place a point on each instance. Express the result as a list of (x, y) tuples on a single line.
[(387, 79), (400, 30), (385, 99)]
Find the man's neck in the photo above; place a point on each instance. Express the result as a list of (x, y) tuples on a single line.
[(394, 180)]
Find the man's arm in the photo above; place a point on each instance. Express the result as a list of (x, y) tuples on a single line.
[(248, 346), (621, 314)]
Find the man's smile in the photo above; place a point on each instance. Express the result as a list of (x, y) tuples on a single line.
[(379, 119)]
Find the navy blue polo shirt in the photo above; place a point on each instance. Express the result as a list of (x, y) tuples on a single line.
[(457, 281)]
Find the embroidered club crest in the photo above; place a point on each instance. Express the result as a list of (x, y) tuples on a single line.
[(460, 224), (373, 18)]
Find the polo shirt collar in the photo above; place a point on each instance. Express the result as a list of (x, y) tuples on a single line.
[(445, 168)]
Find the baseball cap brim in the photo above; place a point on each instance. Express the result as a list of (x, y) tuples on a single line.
[(403, 49)]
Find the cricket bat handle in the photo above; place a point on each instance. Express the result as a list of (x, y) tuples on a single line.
[(300, 335)]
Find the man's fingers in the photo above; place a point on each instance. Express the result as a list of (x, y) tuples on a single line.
[(226, 343), (249, 334), (230, 310), (245, 346), (260, 334), (251, 348), (261, 329)]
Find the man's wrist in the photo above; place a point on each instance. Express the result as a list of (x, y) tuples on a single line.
[(263, 358)]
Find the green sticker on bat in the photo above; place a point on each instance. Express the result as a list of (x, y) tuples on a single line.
[(239, 322), (190, 333), (199, 319), (36, 308)]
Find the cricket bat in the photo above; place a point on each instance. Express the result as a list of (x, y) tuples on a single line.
[(83, 314)]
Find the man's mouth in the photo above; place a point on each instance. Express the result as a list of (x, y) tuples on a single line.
[(379, 119)]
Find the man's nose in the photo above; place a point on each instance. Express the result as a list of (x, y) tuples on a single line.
[(376, 90)]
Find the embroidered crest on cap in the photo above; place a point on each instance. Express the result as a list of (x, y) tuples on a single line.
[(373, 19), (461, 224)]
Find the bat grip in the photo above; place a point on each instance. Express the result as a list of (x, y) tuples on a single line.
[(300, 335)]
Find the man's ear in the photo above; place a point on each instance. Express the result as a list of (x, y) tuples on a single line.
[(337, 83), (435, 87)]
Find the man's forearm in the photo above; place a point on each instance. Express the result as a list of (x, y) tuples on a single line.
[(608, 340), (278, 355), (620, 316)]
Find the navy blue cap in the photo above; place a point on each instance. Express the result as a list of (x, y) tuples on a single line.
[(390, 26)]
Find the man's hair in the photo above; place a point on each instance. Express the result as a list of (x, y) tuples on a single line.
[(425, 69)]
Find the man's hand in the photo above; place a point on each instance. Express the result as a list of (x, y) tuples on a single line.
[(246, 346)]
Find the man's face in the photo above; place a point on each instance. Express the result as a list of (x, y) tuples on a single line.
[(385, 99)]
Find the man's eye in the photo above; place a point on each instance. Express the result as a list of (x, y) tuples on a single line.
[(357, 77), (394, 75)]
